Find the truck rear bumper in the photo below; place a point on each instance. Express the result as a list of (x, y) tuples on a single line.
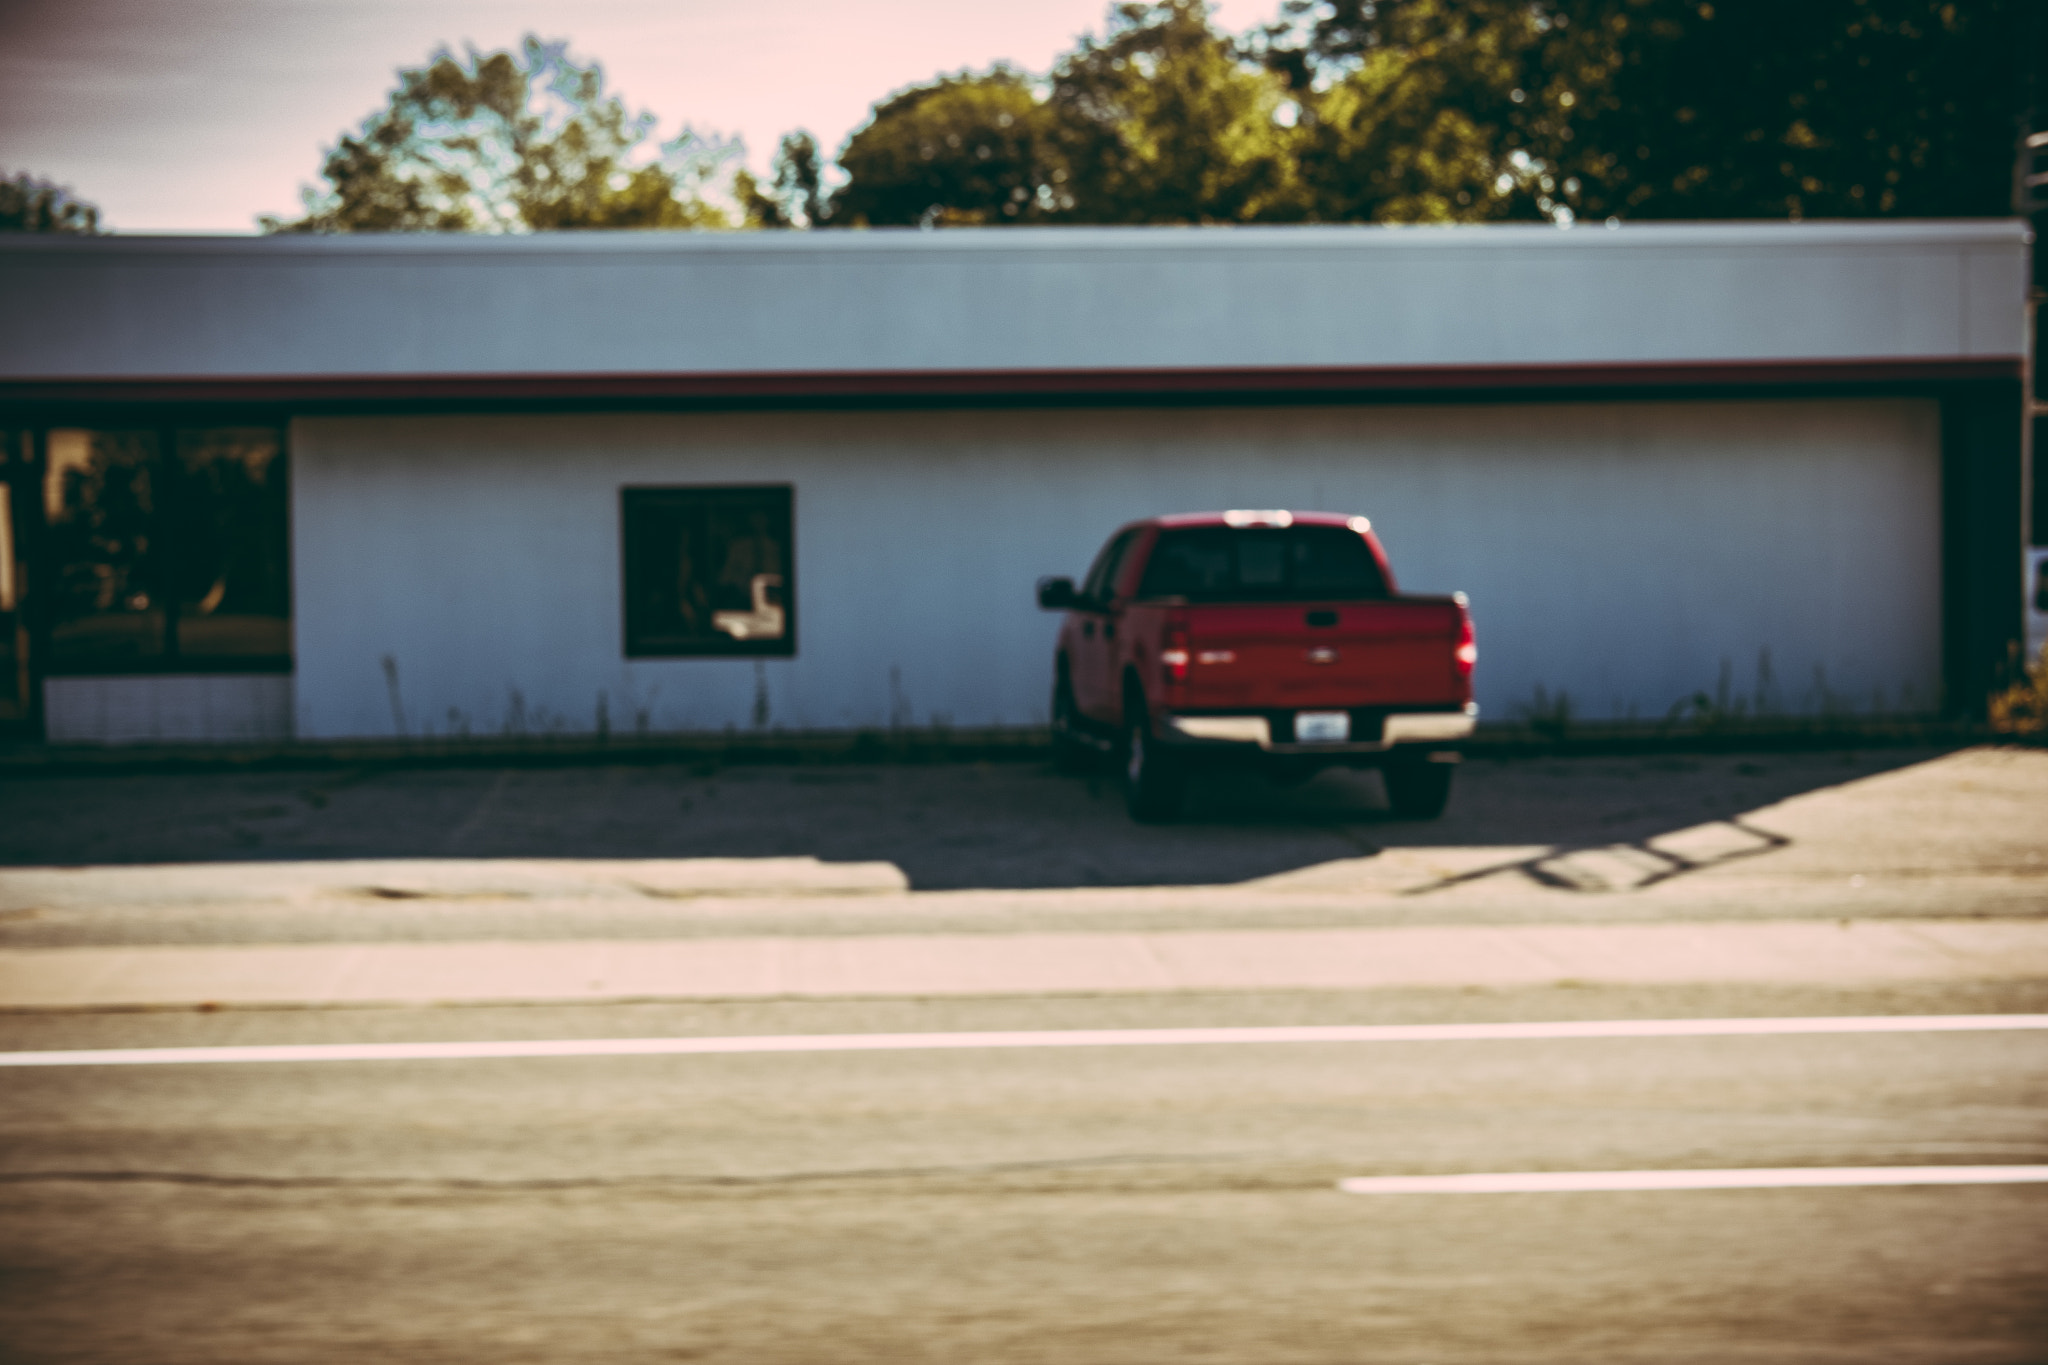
[(1399, 729)]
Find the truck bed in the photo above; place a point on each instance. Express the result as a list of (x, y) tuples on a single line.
[(1260, 656)]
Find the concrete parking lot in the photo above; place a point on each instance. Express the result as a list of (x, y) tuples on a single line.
[(544, 853), (1006, 825)]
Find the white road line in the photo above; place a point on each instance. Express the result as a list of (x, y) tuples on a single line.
[(937, 1042), (1762, 1178)]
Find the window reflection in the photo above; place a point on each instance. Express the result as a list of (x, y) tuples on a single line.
[(17, 506), (167, 549), (100, 508), (232, 562), (708, 571)]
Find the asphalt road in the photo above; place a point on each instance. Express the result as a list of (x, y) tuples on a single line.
[(1098, 1205), (1108, 1205)]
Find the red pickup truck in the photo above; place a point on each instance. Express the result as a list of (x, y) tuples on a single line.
[(1270, 637)]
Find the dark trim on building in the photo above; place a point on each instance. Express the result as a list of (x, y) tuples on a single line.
[(2038, 485), (338, 393), (1982, 595), (183, 665)]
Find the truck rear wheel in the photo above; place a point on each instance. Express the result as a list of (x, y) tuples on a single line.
[(1418, 790), (1153, 783)]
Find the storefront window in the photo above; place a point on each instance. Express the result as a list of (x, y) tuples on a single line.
[(16, 514), (100, 508), (167, 550), (229, 547), (709, 571)]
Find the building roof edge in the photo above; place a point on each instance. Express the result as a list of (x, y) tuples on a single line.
[(1994, 232)]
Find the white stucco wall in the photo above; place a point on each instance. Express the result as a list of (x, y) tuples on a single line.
[(1622, 553), (178, 709)]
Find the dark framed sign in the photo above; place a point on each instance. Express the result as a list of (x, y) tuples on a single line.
[(709, 572)]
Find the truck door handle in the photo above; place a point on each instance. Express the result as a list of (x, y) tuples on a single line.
[(1087, 630), (1109, 630)]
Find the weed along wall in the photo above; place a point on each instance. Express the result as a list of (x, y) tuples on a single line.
[(466, 574)]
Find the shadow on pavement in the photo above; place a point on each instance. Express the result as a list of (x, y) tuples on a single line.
[(991, 826)]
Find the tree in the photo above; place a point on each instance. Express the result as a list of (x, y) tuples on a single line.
[(795, 195), (1835, 108), (1418, 110), (1658, 108), (966, 149), (1165, 120), (1161, 120), (29, 203), (505, 142)]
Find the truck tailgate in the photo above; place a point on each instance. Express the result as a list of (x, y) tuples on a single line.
[(1325, 654)]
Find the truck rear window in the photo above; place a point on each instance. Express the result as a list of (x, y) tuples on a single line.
[(1298, 564)]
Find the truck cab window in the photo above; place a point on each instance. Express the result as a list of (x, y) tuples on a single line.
[(1104, 572), (1226, 564)]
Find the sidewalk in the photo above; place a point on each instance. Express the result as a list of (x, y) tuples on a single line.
[(1809, 952)]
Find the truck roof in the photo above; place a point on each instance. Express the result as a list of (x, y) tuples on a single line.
[(1244, 517)]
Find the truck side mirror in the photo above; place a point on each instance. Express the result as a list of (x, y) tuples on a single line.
[(1057, 594)]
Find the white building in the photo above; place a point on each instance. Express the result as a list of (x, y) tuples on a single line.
[(344, 487)]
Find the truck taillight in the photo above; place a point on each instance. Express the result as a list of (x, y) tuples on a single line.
[(1468, 648), (1173, 657)]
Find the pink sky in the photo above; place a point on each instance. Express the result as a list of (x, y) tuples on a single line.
[(197, 115)]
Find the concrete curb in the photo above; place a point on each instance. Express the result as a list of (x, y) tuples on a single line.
[(317, 881), (1780, 952)]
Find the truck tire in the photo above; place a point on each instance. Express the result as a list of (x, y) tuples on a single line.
[(1417, 790), (1153, 782), (1070, 753)]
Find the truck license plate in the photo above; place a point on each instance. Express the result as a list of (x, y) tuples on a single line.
[(1322, 727)]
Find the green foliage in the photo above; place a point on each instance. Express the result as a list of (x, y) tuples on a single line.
[(1659, 108), (1372, 117), (795, 195), (1826, 108), (1398, 111), (965, 149), (1415, 113), (510, 142), (1474, 110), (2022, 708), (31, 204), (1164, 120), (1547, 715)]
